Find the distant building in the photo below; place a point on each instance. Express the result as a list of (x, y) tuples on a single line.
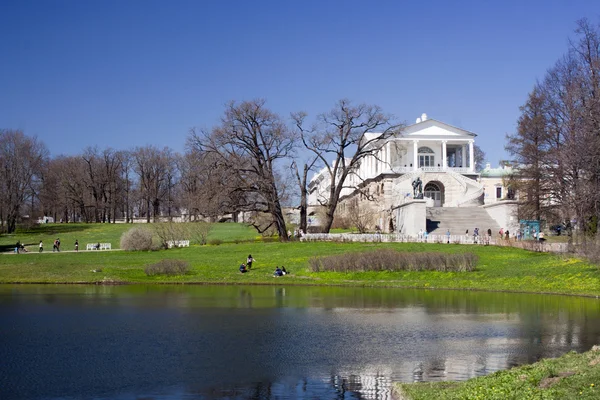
[(440, 155)]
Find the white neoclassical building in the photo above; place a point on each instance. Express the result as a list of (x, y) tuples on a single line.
[(440, 155)]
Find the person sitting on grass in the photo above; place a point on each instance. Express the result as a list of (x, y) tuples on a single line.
[(278, 272), (243, 268), (283, 271)]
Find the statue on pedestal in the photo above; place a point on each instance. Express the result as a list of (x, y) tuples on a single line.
[(417, 185)]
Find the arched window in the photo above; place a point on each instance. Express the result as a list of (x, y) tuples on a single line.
[(426, 157)]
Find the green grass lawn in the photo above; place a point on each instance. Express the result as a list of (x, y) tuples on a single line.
[(572, 376), (499, 268), (106, 233)]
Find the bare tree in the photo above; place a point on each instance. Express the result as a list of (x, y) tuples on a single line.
[(205, 187), (22, 159), (249, 144), (302, 182), (341, 139), (557, 145), (359, 216), (479, 158), (154, 168), (528, 146)]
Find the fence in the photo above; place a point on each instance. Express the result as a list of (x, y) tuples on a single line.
[(452, 239)]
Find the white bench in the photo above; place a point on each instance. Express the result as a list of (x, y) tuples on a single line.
[(178, 243), (94, 246)]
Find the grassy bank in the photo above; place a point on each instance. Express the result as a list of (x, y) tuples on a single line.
[(572, 376), (499, 268), (105, 233)]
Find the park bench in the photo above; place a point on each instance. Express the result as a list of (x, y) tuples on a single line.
[(94, 246), (178, 243)]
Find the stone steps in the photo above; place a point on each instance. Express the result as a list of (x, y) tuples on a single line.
[(459, 219)]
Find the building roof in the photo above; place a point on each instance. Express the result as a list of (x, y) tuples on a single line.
[(430, 123), (489, 172), (429, 129)]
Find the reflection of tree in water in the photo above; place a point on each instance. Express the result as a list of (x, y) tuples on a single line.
[(245, 298), (279, 295)]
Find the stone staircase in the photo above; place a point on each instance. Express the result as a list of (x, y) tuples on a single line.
[(459, 219)]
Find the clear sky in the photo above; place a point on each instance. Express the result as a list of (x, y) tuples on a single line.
[(126, 73)]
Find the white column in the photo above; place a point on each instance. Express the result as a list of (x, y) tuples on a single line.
[(415, 155), (471, 157), (388, 156), (463, 156), (373, 157), (444, 156)]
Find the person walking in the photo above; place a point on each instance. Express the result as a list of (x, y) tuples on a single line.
[(249, 261), (448, 235), (76, 245)]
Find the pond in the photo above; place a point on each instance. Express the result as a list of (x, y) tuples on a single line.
[(270, 342)]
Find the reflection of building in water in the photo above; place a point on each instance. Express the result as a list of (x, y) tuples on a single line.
[(369, 385)]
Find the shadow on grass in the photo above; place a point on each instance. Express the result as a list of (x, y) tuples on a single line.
[(7, 248), (56, 229), (4, 248)]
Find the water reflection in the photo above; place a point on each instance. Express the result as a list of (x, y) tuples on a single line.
[(217, 342)]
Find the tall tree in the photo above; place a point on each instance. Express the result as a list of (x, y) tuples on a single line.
[(340, 139), (302, 182), (22, 159), (557, 145), (154, 168), (528, 146), (250, 143), (479, 158)]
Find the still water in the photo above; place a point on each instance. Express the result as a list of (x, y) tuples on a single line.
[(256, 342)]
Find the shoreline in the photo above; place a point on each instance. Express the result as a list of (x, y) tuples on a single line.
[(357, 285), (568, 376)]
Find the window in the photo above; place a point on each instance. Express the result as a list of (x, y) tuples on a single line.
[(498, 192), (426, 157)]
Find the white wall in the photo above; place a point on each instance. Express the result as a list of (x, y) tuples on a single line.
[(411, 217), (505, 214)]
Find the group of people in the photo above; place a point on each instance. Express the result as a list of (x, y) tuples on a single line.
[(56, 245), (477, 238), (245, 267), (20, 247), (248, 265)]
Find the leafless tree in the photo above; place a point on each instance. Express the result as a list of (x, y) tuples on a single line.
[(22, 159), (205, 187), (529, 147), (341, 140), (155, 170), (359, 216), (249, 144), (479, 158), (302, 182), (557, 145)]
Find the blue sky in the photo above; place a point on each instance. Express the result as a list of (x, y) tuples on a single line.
[(129, 73)]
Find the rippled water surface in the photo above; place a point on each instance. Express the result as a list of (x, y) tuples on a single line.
[(256, 342)]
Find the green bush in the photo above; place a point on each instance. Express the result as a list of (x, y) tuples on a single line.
[(392, 260), (168, 267), (137, 238), (215, 242)]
